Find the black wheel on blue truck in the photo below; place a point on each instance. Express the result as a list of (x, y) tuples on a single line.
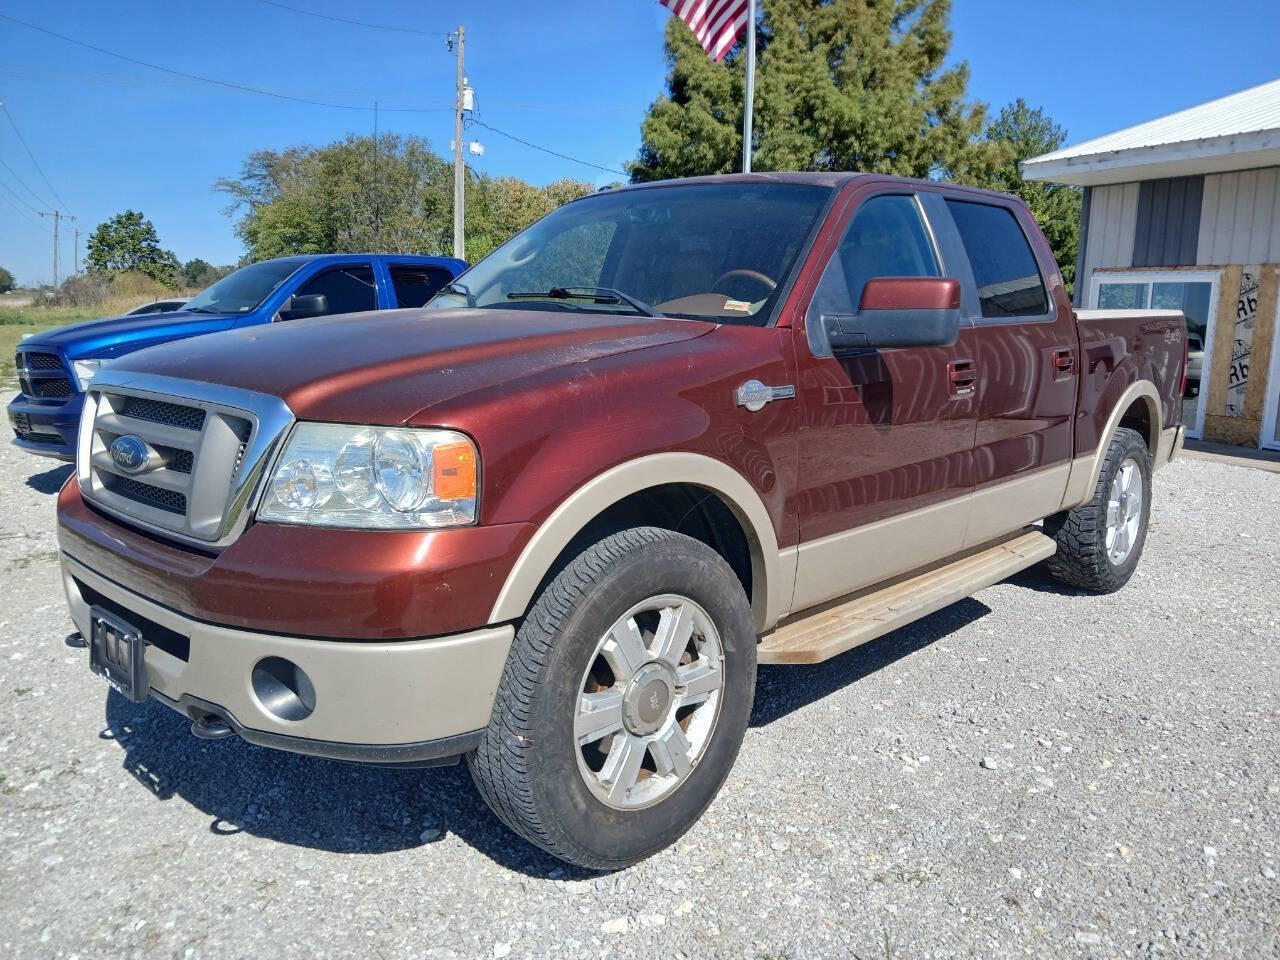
[(624, 700)]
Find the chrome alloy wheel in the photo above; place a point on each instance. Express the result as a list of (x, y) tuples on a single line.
[(648, 701), (1124, 512)]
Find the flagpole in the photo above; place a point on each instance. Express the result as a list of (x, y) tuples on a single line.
[(750, 92)]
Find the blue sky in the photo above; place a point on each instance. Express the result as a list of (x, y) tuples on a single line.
[(574, 75)]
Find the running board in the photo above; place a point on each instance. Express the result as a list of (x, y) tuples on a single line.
[(832, 630)]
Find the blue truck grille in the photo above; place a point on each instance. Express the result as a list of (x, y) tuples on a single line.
[(55, 388), (43, 376), (41, 361)]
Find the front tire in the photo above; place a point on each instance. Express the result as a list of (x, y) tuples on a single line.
[(624, 700), (1100, 542)]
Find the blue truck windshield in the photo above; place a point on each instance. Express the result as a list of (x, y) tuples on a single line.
[(243, 290)]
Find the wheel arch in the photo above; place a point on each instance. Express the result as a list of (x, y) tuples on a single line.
[(609, 494), (1138, 407)]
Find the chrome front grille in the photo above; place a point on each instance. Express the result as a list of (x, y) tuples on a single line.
[(158, 411), (192, 458)]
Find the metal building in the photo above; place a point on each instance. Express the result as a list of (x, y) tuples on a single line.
[(1184, 212)]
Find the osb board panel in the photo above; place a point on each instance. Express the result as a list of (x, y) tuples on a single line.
[(1255, 400), (1224, 333), (1238, 430)]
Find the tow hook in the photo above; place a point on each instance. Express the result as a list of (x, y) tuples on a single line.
[(211, 728)]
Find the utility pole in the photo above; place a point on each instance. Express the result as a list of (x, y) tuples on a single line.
[(459, 169), (57, 215), (377, 219), (76, 263)]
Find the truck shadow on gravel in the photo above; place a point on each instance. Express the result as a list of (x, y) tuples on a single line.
[(51, 481), (344, 808), (782, 690)]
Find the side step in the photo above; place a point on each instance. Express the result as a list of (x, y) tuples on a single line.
[(833, 629)]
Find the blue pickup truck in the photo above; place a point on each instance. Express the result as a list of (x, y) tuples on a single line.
[(55, 367)]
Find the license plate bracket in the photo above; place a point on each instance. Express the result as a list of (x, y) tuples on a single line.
[(117, 652)]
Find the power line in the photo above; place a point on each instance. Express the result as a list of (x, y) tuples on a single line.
[(13, 123), (354, 23), (24, 186), (210, 80), (562, 156), (25, 216)]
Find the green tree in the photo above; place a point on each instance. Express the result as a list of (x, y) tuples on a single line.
[(500, 207), (6, 280), (1027, 133), (128, 241), (346, 197), (840, 85), (194, 270)]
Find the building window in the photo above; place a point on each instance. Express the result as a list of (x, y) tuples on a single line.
[(1193, 297)]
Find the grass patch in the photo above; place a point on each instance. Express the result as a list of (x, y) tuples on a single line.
[(52, 316), (11, 335)]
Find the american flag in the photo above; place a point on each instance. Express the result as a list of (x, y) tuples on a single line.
[(716, 23)]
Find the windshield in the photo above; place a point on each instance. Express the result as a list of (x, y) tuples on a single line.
[(243, 290), (710, 251)]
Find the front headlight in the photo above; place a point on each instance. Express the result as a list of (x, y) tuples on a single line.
[(84, 371), (337, 475)]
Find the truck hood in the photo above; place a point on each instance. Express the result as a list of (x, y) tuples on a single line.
[(386, 366), (114, 336)]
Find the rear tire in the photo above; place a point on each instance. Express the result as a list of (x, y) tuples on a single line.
[(1100, 542), (648, 637)]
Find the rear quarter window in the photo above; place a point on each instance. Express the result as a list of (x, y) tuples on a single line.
[(1004, 268), (416, 285)]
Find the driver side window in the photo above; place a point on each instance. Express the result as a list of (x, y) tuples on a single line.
[(885, 238)]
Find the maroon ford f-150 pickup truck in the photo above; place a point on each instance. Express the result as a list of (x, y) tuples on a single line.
[(553, 522)]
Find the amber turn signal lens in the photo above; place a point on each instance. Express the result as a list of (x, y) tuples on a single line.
[(454, 471)]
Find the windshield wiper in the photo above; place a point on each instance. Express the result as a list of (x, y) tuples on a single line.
[(461, 289), (596, 294), (201, 310)]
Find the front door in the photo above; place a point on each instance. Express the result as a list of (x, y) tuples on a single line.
[(886, 436)]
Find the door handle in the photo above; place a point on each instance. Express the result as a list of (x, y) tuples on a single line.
[(962, 377), (1064, 363)]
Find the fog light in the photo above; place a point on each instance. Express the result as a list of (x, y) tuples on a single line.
[(283, 689)]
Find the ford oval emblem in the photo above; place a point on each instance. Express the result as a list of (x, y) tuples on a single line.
[(130, 453)]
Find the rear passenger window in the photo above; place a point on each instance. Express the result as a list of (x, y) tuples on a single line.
[(414, 286), (347, 289), (1009, 283)]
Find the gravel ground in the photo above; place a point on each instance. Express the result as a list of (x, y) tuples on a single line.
[(1030, 772)]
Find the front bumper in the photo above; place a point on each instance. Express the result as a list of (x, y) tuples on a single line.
[(407, 702), (47, 430)]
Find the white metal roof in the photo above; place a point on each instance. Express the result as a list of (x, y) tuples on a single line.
[(1236, 132)]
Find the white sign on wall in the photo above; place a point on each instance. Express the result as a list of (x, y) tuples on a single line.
[(1242, 345)]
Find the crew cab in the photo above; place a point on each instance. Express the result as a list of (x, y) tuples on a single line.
[(54, 367), (553, 522)]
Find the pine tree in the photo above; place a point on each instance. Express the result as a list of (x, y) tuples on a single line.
[(840, 85)]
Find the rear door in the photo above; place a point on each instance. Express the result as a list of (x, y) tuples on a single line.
[(886, 436), (1026, 359), (413, 284)]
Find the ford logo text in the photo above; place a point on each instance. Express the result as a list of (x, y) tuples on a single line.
[(131, 454)]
